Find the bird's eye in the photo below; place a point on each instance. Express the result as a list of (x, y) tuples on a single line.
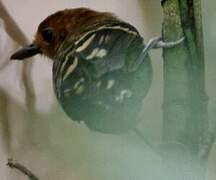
[(48, 35)]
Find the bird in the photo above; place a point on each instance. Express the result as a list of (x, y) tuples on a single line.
[(101, 67)]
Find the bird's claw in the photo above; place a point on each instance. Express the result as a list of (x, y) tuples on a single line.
[(159, 43), (155, 43)]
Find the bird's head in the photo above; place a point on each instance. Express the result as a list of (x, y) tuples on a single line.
[(52, 31)]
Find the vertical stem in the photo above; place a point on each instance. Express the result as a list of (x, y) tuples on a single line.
[(185, 122), (19, 37)]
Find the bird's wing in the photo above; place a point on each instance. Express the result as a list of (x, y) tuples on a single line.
[(112, 47), (109, 47)]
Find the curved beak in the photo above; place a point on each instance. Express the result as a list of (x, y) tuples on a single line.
[(26, 52)]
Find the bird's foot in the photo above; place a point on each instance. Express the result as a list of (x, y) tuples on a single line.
[(157, 42), (154, 43)]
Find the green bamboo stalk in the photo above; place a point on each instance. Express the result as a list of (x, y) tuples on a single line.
[(185, 117)]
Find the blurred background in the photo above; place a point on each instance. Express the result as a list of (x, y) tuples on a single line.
[(35, 131)]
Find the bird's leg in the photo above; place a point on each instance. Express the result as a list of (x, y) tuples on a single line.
[(154, 43)]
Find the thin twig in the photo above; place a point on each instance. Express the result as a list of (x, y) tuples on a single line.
[(15, 32), (22, 169), (147, 142), (11, 26)]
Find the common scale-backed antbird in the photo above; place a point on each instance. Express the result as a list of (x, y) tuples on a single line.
[(101, 69)]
